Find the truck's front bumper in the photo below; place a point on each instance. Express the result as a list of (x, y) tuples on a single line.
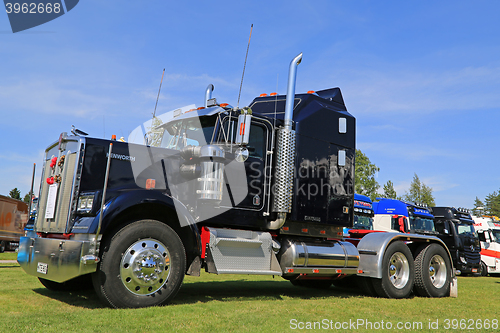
[(56, 260)]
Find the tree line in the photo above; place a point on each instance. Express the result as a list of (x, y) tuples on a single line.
[(490, 205), (366, 184), (16, 194)]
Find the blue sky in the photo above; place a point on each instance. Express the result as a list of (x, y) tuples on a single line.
[(421, 78)]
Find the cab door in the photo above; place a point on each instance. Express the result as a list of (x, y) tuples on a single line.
[(255, 160)]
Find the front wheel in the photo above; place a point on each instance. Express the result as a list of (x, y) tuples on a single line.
[(432, 271), (142, 265), (397, 272), (2, 246), (484, 269)]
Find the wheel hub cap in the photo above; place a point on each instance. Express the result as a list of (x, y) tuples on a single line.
[(144, 267), (437, 271), (399, 270)]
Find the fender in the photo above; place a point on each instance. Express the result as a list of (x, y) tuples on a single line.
[(372, 248)]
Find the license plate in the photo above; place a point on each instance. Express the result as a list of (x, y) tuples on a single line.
[(474, 270), (42, 268)]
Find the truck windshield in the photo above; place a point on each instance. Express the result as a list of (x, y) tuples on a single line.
[(466, 229), (496, 235), (421, 223), (363, 222), (193, 131)]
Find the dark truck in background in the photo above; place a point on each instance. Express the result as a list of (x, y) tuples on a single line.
[(266, 190), (455, 227)]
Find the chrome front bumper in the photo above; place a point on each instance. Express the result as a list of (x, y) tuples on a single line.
[(56, 260)]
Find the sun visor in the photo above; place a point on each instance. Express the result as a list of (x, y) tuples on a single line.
[(194, 113)]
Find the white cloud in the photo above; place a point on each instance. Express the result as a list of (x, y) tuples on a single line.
[(51, 98), (404, 151), (386, 89)]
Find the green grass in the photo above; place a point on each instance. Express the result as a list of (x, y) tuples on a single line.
[(232, 303), (11, 255)]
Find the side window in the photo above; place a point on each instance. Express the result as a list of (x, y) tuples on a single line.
[(441, 227), (398, 223), (257, 141)]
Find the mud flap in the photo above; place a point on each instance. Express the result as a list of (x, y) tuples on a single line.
[(454, 287)]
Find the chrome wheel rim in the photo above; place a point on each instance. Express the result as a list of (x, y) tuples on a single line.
[(399, 270), (145, 267), (437, 271)]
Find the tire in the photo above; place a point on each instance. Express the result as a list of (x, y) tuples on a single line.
[(432, 271), (143, 264), (398, 272), (79, 283), (316, 284), (484, 269), (2, 246)]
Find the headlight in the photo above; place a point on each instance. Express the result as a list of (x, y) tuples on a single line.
[(85, 203), (462, 259)]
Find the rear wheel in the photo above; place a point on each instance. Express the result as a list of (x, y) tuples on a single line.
[(397, 272), (142, 265), (2, 246), (432, 271)]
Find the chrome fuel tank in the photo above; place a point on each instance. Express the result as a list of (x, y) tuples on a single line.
[(334, 254)]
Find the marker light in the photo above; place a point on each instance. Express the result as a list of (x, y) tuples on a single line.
[(85, 203)]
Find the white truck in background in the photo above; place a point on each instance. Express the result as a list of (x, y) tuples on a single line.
[(489, 235)]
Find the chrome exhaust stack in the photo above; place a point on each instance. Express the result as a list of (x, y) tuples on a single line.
[(208, 94), (285, 154)]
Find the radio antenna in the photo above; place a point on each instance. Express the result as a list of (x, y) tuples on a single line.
[(157, 97), (244, 65)]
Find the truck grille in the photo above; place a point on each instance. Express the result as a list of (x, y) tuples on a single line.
[(55, 200), (472, 257)]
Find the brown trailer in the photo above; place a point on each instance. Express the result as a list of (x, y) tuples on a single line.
[(13, 218)]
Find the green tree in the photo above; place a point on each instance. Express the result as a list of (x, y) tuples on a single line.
[(365, 182), (492, 204), (15, 194), (27, 197), (419, 192), (389, 191), (478, 207)]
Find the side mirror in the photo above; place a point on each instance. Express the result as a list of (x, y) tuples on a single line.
[(243, 129)]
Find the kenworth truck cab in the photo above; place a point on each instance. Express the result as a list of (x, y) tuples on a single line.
[(488, 231), (266, 190), (456, 228)]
